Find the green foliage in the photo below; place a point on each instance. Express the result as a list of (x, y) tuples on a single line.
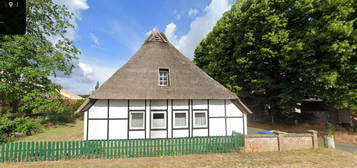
[(27, 126), (23, 125), (67, 116), (285, 51), (6, 126), (27, 61)]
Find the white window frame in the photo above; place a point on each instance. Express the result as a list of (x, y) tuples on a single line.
[(167, 76), (174, 119), (152, 119), (130, 119), (194, 119)]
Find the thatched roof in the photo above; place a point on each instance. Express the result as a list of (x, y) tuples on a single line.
[(138, 78)]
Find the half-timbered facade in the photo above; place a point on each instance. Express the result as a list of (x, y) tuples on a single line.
[(159, 93)]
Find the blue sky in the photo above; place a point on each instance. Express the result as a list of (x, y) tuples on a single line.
[(109, 32)]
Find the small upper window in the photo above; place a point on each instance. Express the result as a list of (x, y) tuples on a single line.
[(164, 77)]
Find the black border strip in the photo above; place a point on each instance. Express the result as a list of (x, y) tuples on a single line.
[(108, 104), (172, 118), (243, 125), (149, 120), (167, 118), (208, 117), (201, 128), (180, 109), (87, 124), (191, 118), (128, 119), (225, 116), (145, 119), (199, 109)]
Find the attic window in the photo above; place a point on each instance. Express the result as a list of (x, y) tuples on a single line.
[(163, 77), (157, 38)]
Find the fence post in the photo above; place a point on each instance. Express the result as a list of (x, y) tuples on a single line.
[(280, 141), (315, 143)]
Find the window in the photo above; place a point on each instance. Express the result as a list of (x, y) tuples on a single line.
[(180, 120), (200, 119), (163, 77), (137, 120), (158, 120)]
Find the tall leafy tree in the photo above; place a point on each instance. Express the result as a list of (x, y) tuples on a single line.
[(285, 51), (27, 61)]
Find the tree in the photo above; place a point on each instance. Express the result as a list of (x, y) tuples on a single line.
[(27, 61), (96, 85), (285, 51)]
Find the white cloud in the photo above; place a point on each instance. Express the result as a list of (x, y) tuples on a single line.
[(170, 31), (84, 77), (94, 39), (192, 12), (199, 27), (76, 7)]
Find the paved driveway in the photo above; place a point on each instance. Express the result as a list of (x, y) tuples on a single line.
[(340, 146)]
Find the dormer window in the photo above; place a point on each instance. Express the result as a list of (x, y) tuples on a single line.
[(157, 38), (164, 77)]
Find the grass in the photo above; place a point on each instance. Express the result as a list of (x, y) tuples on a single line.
[(307, 158), (341, 135), (66, 132)]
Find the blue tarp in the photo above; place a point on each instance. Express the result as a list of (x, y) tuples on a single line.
[(265, 132)]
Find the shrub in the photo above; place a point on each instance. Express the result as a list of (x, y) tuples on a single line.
[(27, 126), (61, 118), (6, 126)]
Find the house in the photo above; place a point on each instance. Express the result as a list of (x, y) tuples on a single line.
[(69, 95), (160, 93)]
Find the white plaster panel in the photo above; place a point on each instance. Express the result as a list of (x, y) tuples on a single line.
[(97, 129), (158, 104), (99, 109), (200, 104), (136, 134), (137, 105), (180, 133), (158, 134), (200, 132), (216, 108), (180, 104), (118, 129), (234, 124), (217, 127), (118, 109), (85, 125), (232, 109)]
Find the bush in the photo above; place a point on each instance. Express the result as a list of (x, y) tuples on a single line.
[(22, 125), (27, 126), (62, 118), (6, 126), (68, 115)]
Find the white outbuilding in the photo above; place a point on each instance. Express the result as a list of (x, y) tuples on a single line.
[(160, 93)]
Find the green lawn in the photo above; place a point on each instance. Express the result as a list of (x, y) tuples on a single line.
[(66, 132), (323, 158)]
